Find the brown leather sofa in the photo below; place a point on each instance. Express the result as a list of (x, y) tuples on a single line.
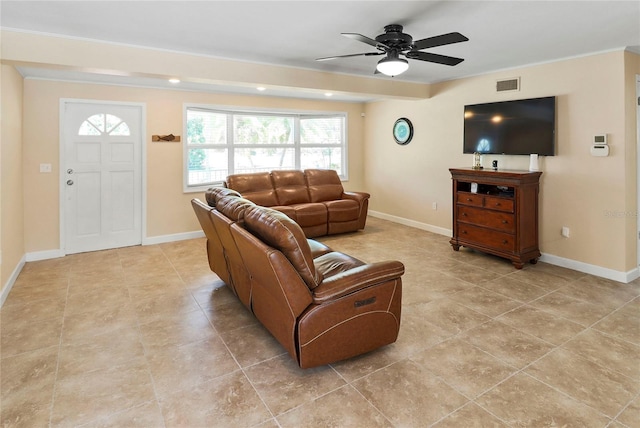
[(313, 198), (322, 306)]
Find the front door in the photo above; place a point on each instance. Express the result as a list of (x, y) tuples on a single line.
[(102, 175)]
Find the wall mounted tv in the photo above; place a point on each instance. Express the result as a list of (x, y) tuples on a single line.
[(519, 127)]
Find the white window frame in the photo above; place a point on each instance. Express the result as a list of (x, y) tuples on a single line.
[(231, 110)]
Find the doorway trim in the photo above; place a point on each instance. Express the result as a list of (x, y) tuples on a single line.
[(637, 103), (62, 176)]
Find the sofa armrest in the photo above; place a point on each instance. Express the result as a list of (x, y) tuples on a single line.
[(356, 279), (359, 197)]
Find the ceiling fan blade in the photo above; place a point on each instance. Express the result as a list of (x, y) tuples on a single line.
[(443, 39), (365, 39), (349, 55), (431, 57)]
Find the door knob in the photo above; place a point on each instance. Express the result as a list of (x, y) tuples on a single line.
[(69, 182)]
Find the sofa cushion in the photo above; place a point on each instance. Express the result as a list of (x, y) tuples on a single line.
[(342, 210), (285, 209), (310, 214), (234, 207), (257, 187), (280, 232), (290, 186), (323, 184)]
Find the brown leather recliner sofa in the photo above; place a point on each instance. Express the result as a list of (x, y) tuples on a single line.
[(322, 306), (313, 198)]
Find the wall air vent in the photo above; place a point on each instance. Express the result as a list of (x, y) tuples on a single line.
[(508, 85)]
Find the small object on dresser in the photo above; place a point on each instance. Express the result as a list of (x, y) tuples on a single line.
[(477, 161), (494, 164)]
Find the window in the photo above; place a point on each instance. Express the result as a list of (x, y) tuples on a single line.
[(223, 142), (102, 123)]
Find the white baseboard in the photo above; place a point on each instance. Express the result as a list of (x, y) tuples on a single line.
[(172, 238), (44, 255), (54, 254), (591, 269), (600, 271), (11, 280), (411, 223)]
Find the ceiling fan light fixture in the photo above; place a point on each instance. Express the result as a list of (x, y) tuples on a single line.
[(392, 66)]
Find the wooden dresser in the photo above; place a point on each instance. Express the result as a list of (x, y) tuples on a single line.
[(498, 214)]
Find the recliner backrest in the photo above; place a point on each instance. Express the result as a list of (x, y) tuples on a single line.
[(217, 261), (323, 184), (280, 232), (231, 210), (290, 186), (213, 194), (234, 207), (257, 187)]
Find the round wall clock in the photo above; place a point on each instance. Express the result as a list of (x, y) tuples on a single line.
[(402, 131)]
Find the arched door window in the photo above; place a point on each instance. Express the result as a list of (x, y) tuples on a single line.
[(101, 124)]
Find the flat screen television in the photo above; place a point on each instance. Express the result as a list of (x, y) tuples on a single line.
[(519, 127)]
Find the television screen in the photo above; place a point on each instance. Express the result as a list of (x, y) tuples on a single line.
[(519, 127)]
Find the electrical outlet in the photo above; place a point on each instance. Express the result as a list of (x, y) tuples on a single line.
[(434, 206), (45, 167), (565, 231)]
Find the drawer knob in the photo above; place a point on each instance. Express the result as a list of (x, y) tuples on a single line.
[(497, 204), (469, 199), (464, 214), (504, 222), (504, 241), (464, 232)]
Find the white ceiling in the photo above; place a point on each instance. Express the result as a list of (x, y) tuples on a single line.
[(503, 34)]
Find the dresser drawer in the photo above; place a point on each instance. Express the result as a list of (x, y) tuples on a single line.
[(467, 198), (501, 204), (494, 219), (485, 237)]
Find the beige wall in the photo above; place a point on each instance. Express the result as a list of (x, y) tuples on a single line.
[(578, 190), (595, 197), (168, 208), (11, 192)]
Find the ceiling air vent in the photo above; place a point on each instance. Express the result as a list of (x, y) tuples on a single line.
[(508, 85)]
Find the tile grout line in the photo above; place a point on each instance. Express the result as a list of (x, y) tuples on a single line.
[(64, 316)]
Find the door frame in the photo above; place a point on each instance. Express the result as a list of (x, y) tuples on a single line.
[(637, 104), (62, 162)]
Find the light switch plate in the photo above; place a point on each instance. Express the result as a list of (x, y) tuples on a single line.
[(45, 167)]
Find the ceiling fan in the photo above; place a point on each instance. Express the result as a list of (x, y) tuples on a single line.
[(394, 44)]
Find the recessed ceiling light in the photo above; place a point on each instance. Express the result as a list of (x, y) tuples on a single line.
[(174, 81), (261, 88)]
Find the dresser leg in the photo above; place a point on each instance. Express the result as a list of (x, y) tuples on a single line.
[(455, 247), (518, 265), (533, 261)]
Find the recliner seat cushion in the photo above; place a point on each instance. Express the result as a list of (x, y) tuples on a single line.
[(342, 210), (285, 235), (310, 214)]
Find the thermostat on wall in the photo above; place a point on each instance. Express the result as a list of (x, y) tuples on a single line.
[(599, 140), (600, 146)]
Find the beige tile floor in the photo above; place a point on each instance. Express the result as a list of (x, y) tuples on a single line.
[(149, 337)]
